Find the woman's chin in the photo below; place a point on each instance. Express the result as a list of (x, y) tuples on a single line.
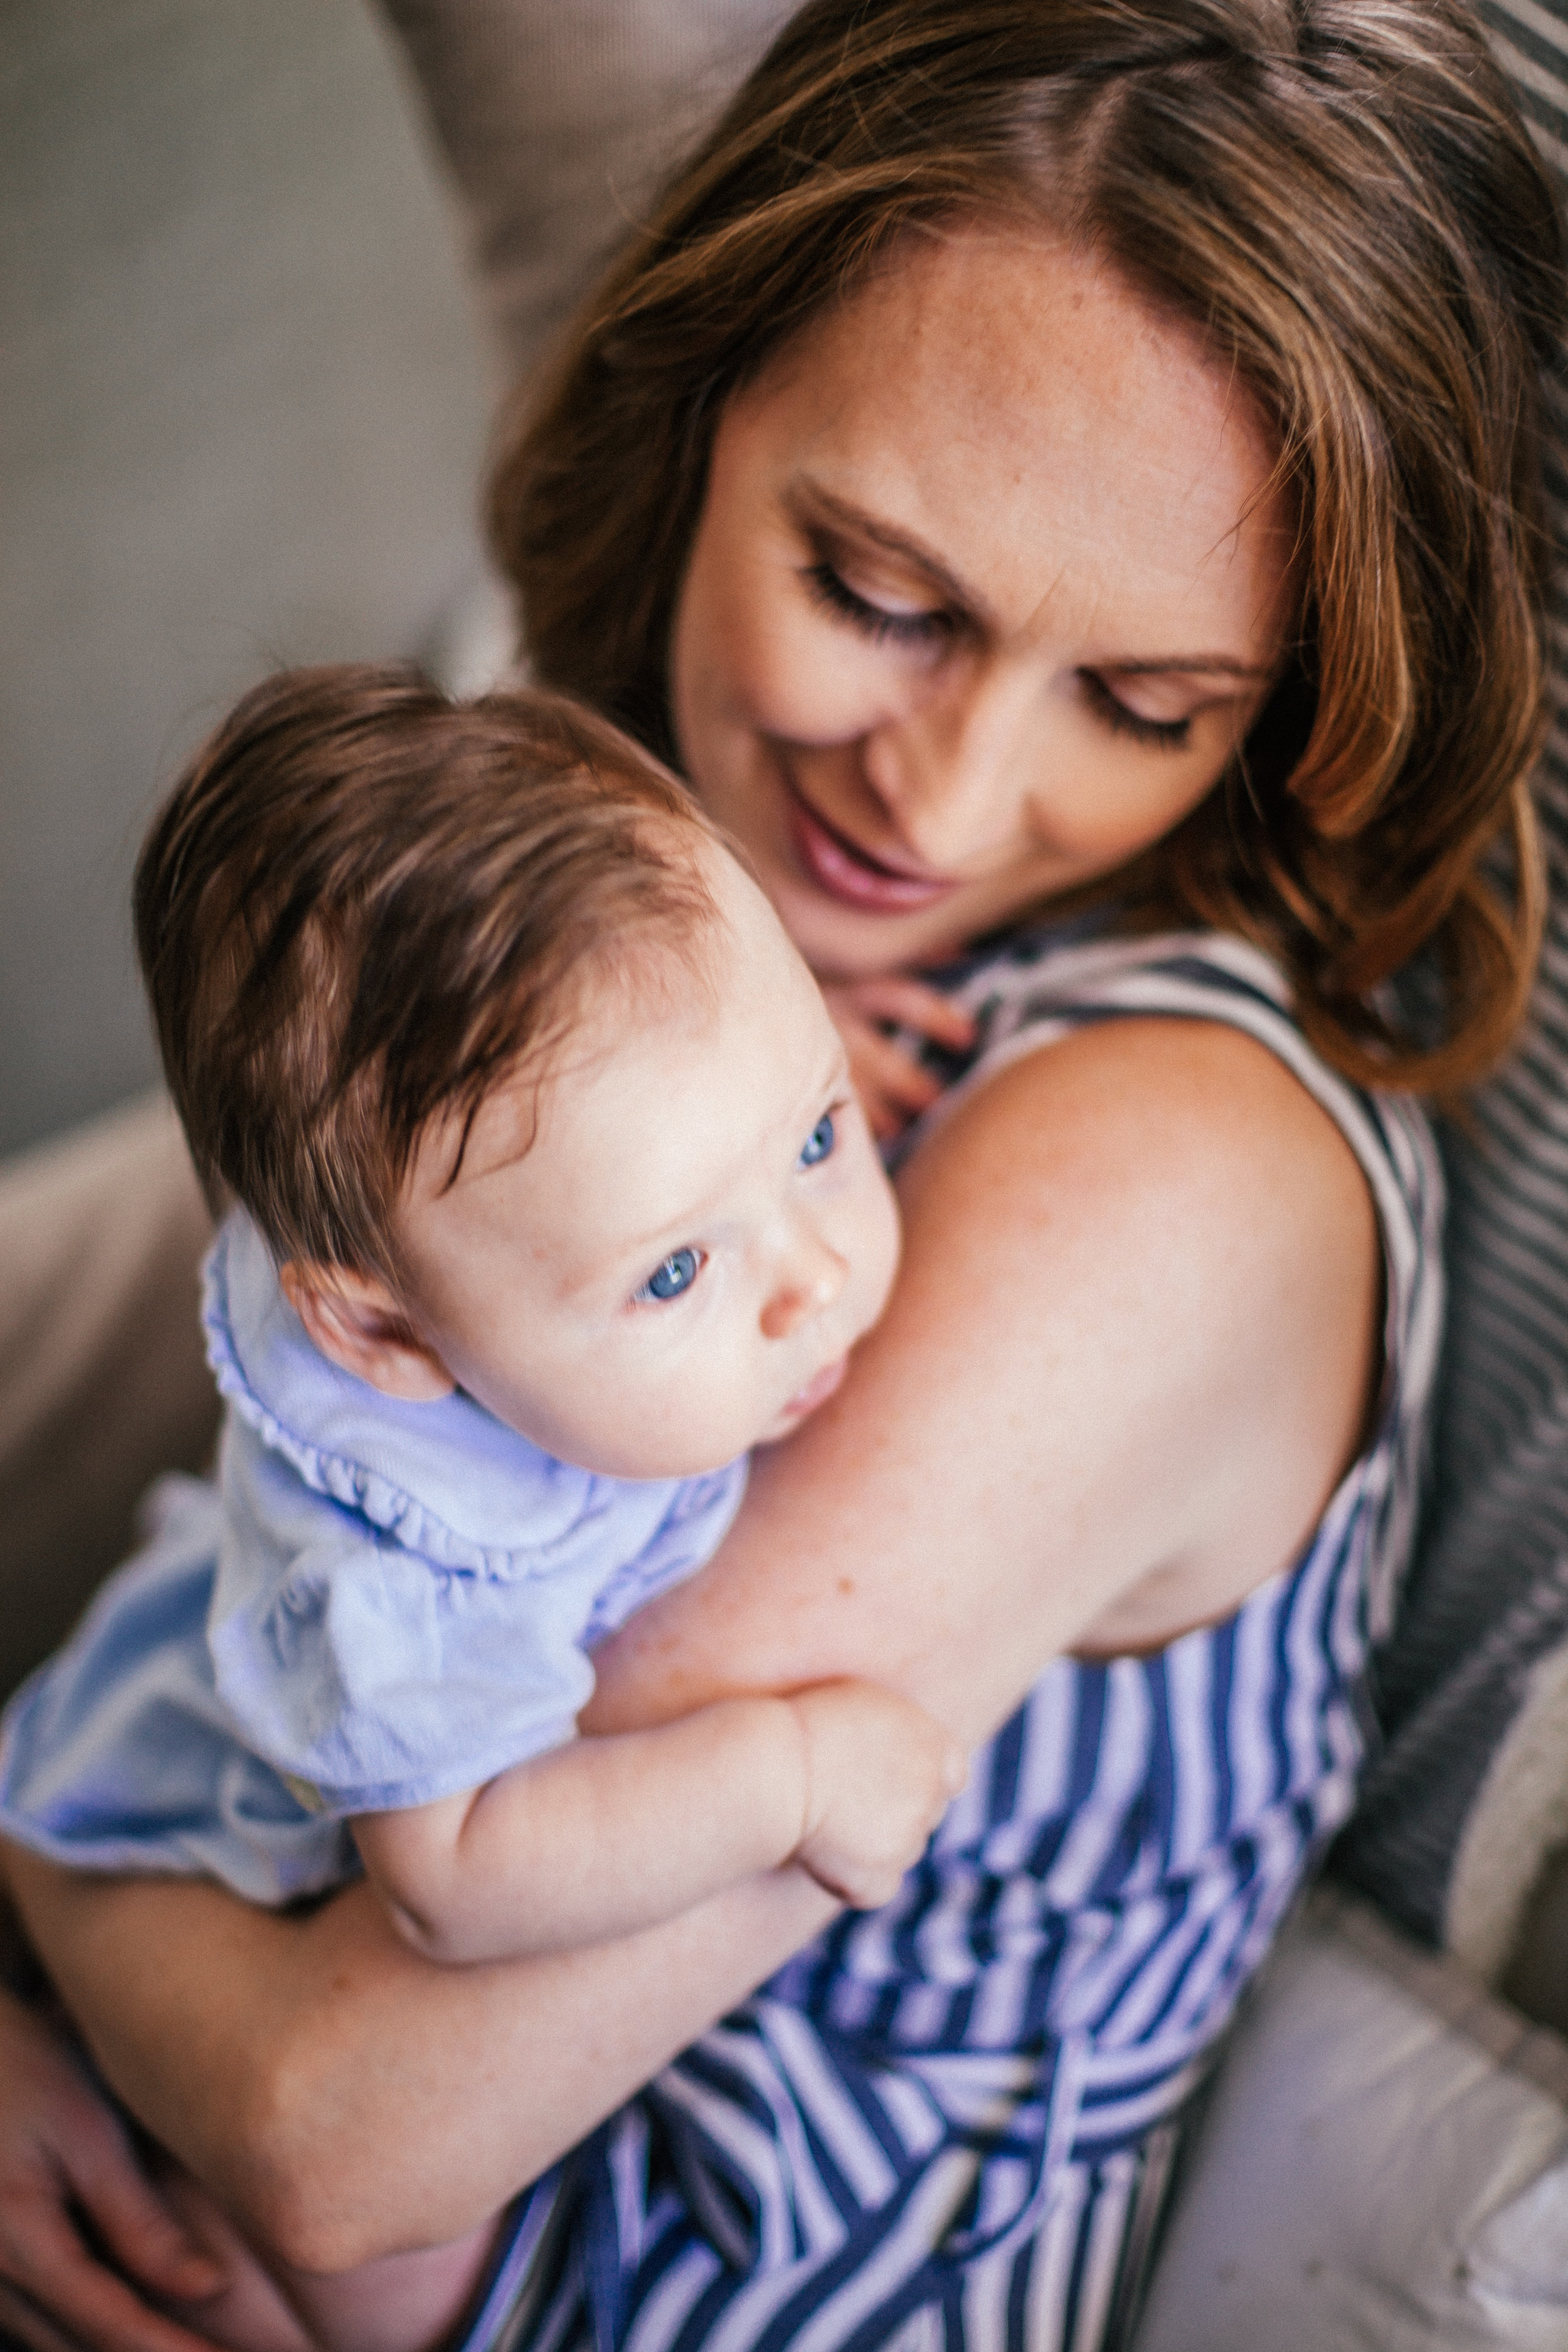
[(843, 942)]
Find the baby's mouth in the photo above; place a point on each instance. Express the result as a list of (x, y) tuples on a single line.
[(818, 1389), (847, 872)]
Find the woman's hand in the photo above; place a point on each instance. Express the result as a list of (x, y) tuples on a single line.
[(892, 1087), (73, 2200)]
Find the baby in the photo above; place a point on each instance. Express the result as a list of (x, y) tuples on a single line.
[(554, 1197)]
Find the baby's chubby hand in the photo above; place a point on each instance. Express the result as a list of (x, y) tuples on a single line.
[(879, 1774), (892, 1087)]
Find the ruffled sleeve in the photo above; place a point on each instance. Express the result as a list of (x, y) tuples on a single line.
[(406, 1593), (373, 1681)]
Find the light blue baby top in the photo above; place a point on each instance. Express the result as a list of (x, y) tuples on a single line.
[(382, 1604)]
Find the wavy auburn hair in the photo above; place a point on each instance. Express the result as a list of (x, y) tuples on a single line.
[(1339, 195)]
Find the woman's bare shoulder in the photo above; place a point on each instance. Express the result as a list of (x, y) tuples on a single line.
[(1129, 1126), (1176, 1176)]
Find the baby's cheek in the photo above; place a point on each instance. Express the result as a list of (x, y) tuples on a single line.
[(881, 1247), (709, 1411)]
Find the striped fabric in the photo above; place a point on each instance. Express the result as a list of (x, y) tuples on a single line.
[(1475, 1662), (948, 2123)]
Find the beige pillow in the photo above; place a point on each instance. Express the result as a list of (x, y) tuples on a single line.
[(102, 1382), (1383, 2163)]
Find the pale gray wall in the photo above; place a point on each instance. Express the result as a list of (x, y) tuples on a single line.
[(242, 402)]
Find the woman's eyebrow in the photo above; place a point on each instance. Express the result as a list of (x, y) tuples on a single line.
[(1164, 664), (810, 502)]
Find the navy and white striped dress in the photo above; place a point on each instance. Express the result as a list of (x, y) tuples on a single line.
[(946, 2124)]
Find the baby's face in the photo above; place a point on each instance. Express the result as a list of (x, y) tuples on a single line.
[(662, 1254)]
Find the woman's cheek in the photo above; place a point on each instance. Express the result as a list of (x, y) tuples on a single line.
[(1134, 796), (813, 682)]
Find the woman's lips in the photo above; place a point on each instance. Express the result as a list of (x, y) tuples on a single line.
[(818, 1390), (850, 873)]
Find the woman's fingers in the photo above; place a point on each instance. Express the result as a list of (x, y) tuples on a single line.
[(890, 1081), (900, 1088), (23, 2320), (58, 2298), (67, 2171), (910, 1003), (893, 1088), (135, 2225), (27, 2324), (891, 1084)]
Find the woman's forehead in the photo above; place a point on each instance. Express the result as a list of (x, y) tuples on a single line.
[(1016, 411)]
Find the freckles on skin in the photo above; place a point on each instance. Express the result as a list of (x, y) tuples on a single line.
[(1141, 523), (1027, 458), (1055, 514)]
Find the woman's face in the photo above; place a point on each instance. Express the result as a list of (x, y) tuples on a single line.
[(988, 585)]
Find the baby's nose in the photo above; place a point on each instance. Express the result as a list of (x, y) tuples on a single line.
[(807, 1286)]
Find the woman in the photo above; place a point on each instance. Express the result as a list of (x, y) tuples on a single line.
[(1029, 482)]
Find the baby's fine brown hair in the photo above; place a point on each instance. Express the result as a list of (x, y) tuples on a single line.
[(364, 906)]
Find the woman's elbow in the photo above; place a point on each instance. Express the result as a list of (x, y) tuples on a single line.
[(308, 2170)]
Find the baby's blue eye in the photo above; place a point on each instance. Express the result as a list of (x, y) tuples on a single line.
[(678, 1273), (819, 1142)]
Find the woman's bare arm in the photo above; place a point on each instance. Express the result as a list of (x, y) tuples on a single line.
[(1127, 1357), (343, 2098), (1127, 1360)]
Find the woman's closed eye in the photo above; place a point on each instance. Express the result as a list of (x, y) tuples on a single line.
[(670, 1279), (875, 621), (1164, 734)]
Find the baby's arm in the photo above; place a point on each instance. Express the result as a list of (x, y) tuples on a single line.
[(604, 1836)]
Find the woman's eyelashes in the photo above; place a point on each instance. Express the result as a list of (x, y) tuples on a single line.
[(919, 629), (672, 1278), (1164, 734), (830, 588)]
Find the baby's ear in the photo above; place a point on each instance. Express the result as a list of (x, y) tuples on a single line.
[(356, 1321)]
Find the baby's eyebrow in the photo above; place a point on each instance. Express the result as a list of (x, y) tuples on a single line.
[(611, 1265), (834, 1079)]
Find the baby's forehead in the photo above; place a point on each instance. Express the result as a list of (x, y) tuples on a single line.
[(673, 1091)]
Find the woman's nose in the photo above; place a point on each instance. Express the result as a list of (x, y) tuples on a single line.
[(805, 1282), (951, 772)]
